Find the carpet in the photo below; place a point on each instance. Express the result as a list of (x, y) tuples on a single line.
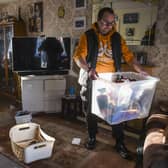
[(6, 118), (6, 162), (65, 155)]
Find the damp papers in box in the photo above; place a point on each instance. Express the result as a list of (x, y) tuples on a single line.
[(23, 117), (118, 102)]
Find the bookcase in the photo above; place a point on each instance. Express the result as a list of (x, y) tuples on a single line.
[(9, 80)]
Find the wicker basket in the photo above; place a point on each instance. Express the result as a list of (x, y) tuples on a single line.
[(33, 145)]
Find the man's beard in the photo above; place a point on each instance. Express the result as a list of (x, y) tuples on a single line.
[(104, 33)]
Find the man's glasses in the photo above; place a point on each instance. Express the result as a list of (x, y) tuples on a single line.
[(106, 23)]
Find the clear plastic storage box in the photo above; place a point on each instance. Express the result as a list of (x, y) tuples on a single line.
[(118, 102)]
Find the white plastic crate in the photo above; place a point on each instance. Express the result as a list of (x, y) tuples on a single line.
[(29, 143), (23, 117), (118, 102)]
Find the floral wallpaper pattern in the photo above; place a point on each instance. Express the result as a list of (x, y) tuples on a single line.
[(159, 53), (55, 26)]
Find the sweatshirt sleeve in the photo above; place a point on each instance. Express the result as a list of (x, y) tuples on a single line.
[(127, 54), (81, 48)]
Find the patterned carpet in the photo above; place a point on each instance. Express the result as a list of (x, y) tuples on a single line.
[(6, 162), (65, 155)]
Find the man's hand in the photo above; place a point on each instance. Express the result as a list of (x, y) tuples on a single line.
[(81, 63), (138, 67), (144, 73), (92, 74)]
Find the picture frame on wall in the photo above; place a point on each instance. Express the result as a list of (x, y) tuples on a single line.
[(80, 4), (130, 31), (80, 23), (130, 18), (35, 14)]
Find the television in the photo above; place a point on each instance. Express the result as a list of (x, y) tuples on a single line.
[(41, 55)]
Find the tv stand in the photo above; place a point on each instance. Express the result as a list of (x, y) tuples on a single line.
[(42, 73), (42, 93)]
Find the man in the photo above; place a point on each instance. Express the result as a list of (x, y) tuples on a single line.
[(103, 62)]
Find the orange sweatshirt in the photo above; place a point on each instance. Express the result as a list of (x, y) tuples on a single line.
[(105, 63)]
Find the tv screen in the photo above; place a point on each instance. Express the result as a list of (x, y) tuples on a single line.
[(45, 55)]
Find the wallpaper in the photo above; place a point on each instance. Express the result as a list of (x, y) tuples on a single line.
[(159, 53), (55, 26)]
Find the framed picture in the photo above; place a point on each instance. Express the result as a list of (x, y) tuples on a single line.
[(130, 18), (35, 14), (130, 31), (79, 4), (80, 22)]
